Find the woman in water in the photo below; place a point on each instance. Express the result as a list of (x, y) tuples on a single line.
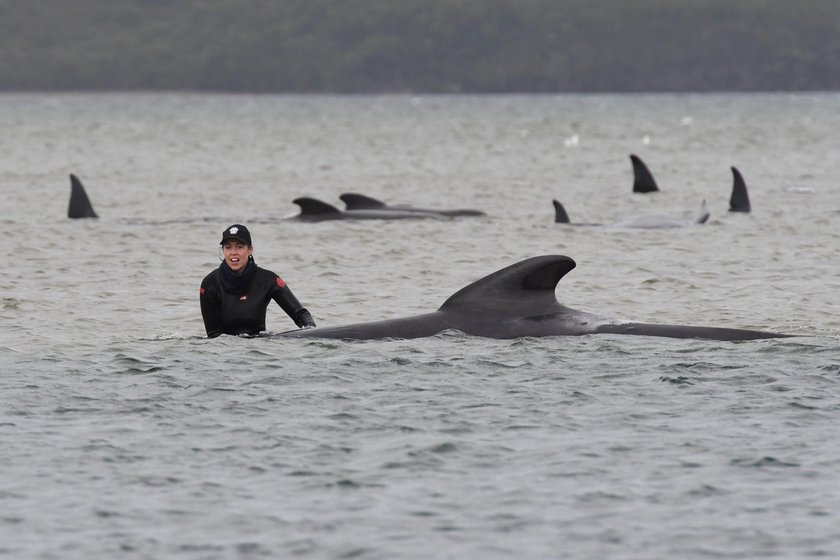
[(234, 296)]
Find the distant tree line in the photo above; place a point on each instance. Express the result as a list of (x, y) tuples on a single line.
[(365, 46)]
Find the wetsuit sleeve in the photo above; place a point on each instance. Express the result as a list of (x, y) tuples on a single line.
[(211, 310), (287, 300)]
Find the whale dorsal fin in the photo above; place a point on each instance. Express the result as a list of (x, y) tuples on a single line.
[(80, 206), (740, 199), (355, 201), (527, 286), (560, 215), (643, 181), (313, 206), (703, 215)]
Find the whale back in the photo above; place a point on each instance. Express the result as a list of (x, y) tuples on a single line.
[(356, 201), (517, 301)]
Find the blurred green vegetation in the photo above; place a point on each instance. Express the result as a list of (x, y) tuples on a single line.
[(368, 46)]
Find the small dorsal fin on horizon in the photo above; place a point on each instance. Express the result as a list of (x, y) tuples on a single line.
[(740, 199), (560, 215), (703, 215), (355, 201), (527, 286), (312, 206), (643, 181), (80, 206)]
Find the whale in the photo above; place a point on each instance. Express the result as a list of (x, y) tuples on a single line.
[(643, 181), (314, 210), (644, 221), (517, 301), (739, 201), (355, 201), (80, 206)]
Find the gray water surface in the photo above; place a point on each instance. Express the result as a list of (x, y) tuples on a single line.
[(126, 434)]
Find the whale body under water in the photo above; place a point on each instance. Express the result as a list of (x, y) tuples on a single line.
[(644, 221), (517, 301), (643, 181)]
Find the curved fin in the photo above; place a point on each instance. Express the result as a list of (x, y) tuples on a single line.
[(527, 286), (740, 199), (354, 201), (560, 215), (80, 206), (643, 181), (313, 206)]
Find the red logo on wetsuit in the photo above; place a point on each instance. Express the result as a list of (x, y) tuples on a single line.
[(280, 282), (243, 298), (201, 291)]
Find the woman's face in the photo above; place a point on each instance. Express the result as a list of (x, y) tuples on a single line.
[(236, 254)]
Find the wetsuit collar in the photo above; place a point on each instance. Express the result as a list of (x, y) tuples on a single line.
[(234, 282)]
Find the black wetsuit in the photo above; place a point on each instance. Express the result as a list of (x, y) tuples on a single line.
[(235, 303)]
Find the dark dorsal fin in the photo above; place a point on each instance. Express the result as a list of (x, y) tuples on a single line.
[(703, 215), (312, 206), (740, 199), (643, 181), (527, 286), (80, 206), (355, 201), (560, 215)]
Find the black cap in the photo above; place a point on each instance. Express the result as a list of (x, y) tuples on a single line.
[(238, 232)]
